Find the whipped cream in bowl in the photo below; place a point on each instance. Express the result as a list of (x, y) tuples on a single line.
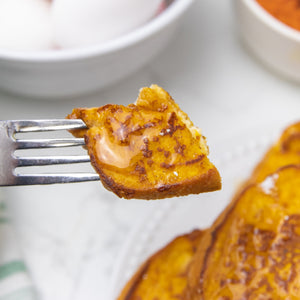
[(84, 52), (33, 25), (86, 22), (25, 25)]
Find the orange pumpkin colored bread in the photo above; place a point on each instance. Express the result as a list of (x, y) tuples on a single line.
[(252, 250), (285, 152), (147, 150), (164, 275)]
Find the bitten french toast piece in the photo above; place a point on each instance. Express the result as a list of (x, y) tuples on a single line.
[(252, 251), (147, 150), (164, 275)]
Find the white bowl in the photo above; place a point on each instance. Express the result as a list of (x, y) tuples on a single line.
[(274, 43), (73, 72)]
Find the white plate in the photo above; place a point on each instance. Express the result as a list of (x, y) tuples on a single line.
[(172, 217)]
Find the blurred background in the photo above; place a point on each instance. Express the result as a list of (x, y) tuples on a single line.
[(71, 237)]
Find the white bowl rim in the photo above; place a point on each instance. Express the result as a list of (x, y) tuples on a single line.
[(150, 28), (271, 21)]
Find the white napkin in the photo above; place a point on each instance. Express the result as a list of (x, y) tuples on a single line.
[(15, 283)]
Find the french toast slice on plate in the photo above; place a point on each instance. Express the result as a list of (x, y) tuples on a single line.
[(285, 152), (164, 275), (252, 250), (147, 150)]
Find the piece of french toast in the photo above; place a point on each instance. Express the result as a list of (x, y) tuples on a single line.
[(286, 152), (164, 275), (147, 150), (283, 154), (252, 251)]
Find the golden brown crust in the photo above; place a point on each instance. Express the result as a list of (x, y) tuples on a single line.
[(147, 150), (164, 273), (252, 249), (206, 182), (285, 152)]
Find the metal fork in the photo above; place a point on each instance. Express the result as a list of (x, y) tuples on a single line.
[(9, 161)]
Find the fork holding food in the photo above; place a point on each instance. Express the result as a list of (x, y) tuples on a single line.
[(146, 150)]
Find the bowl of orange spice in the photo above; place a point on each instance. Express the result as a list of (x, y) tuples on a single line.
[(271, 30)]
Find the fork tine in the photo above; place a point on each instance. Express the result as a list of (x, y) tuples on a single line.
[(9, 161), (34, 179), (48, 143), (47, 125), (51, 160)]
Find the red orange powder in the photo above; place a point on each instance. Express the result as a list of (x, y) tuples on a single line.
[(287, 11)]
